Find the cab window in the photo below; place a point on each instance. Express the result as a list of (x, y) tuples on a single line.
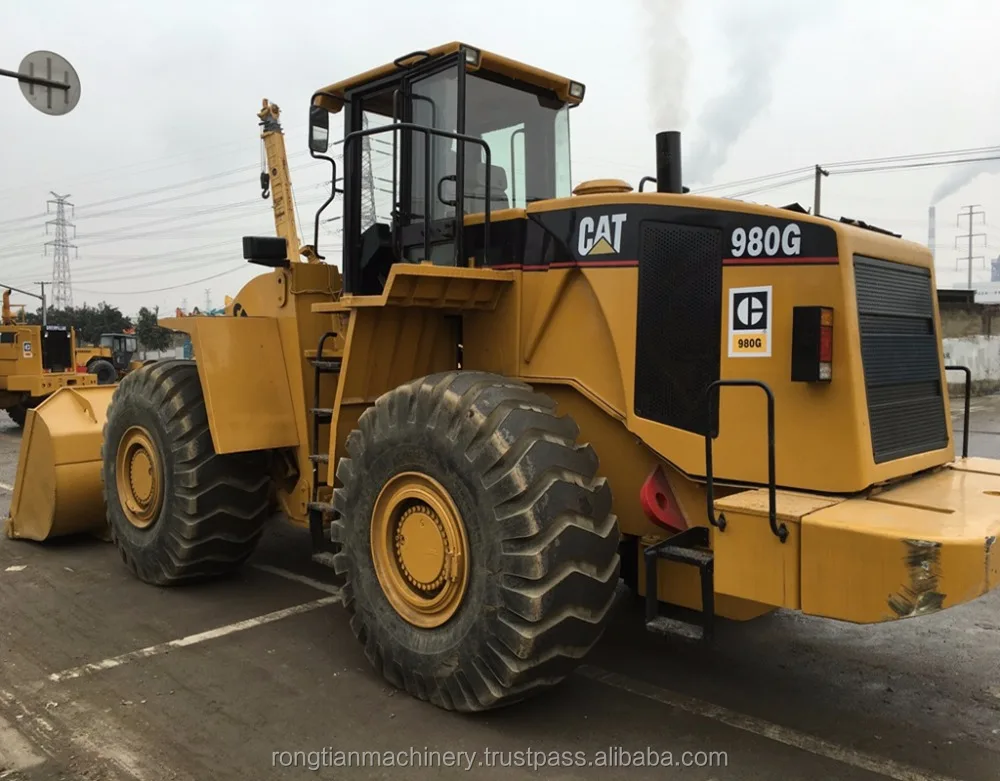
[(528, 134)]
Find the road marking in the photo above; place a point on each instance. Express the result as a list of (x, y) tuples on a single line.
[(16, 752), (765, 729), (284, 573), (201, 637), (8, 488)]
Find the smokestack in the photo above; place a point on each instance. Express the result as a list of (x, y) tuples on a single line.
[(668, 162), (932, 229)]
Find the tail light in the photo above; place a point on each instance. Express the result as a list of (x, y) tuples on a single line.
[(812, 344)]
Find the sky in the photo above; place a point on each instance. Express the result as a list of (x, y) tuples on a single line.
[(162, 155)]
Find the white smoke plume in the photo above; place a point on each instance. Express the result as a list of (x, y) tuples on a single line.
[(961, 175), (668, 56), (754, 35)]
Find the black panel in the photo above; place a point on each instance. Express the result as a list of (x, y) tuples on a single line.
[(899, 352), (806, 330), (271, 251), (57, 349), (508, 242), (679, 323), (805, 242)]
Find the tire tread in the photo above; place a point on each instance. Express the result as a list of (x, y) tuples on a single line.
[(559, 539)]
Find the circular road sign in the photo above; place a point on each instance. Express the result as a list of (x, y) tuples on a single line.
[(50, 100)]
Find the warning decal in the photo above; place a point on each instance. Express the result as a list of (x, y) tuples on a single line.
[(750, 322), (26, 349)]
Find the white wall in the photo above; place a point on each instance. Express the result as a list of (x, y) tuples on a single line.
[(980, 353)]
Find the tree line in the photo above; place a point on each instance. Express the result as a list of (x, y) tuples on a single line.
[(89, 322)]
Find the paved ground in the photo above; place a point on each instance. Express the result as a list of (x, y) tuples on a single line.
[(784, 697)]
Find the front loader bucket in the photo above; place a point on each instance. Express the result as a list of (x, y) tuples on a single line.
[(58, 486)]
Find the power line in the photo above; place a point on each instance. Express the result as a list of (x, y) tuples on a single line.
[(161, 289), (906, 166)]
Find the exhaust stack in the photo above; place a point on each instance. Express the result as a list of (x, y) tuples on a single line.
[(668, 162)]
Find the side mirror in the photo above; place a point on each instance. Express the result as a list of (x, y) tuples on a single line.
[(319, 129)]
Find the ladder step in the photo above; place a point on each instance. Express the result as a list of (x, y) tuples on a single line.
[(320, 458), (321, 507), (685, 555), (322, 414), (671, 627), (332, 365)]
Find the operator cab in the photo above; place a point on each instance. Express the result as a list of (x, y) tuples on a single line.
[(122, 346), (439, 146)]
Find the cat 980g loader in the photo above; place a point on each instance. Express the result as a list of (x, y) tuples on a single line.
[(517, 393)]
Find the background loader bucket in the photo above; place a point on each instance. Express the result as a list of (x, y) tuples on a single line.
[(58, 485)]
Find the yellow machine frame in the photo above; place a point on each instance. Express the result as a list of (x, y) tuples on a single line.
[(560, 396)]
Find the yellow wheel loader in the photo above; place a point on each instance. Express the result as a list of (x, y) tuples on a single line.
[(111, 360), (518, 393), (35, 361)]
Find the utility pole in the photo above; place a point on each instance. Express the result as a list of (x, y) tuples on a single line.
[(820, 173), (45, 315), (62, 290), (970, 212), (33, 295)]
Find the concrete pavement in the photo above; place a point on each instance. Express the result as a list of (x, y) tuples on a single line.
[(259, 676)]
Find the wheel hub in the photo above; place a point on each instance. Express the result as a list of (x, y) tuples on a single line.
[(419, 549), (139, 477)]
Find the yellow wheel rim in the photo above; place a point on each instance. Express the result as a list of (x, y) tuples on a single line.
[(420, 550), (139, 477)]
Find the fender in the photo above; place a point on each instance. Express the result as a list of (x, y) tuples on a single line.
[(244, 380)]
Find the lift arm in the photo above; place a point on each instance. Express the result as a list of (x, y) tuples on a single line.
[(278, 180)]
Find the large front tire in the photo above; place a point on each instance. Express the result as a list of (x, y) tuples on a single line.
[(178, 511), (528, 585)]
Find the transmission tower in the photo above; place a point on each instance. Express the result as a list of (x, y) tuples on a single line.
[(62, 290), (208, 299), (368, 214), (971, 212)]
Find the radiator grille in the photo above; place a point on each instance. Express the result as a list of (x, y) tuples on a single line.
[(679, 326), (899, 352)]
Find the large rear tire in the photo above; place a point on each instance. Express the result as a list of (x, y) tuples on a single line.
[(516, 551), (178, 511)]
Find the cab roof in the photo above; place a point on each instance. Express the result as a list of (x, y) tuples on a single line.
[(332, 97)]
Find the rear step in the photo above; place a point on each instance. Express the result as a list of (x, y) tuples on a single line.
[(326, 366), (323, 548), (683, 548)]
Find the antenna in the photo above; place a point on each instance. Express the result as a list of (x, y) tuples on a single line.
[(48, 82)]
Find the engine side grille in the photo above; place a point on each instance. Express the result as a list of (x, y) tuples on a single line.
[(679, 328), (899, 352)]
